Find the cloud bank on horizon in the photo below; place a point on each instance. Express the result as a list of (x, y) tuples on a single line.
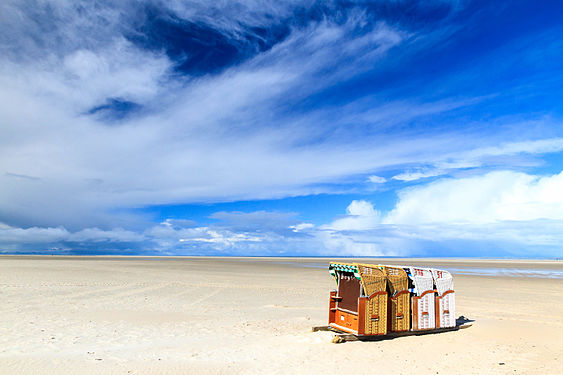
[(430, 128)]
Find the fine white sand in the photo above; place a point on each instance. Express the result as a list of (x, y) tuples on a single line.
[(63, 315)]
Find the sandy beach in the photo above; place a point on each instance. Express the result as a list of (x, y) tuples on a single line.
[(102, 315)]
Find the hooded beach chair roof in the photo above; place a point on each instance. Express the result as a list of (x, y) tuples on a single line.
[(372, 277), (397, 277), (422, 279), (443, 280)]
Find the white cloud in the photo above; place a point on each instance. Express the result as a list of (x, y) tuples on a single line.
[(223, 239), (361, 208), (345, 244), (529, 238), (237, 234), (493, 197), (540, 146), (417, 175), (302, 227), (360, 215), (508, 153), (98, 235), (31, 235), (506, 213), (377, 179), (119, 70), (48, 235)]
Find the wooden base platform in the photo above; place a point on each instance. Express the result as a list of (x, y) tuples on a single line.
[(342, 336)]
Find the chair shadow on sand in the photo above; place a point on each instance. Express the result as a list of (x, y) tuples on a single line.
[(462, 320)]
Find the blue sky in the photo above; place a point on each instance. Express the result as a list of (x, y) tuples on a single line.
[(399, 128)]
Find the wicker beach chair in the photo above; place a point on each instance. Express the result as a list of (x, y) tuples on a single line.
[(374, 303), (423, 302), (343, 308), (398, 319), (359, 305), (445, 299)]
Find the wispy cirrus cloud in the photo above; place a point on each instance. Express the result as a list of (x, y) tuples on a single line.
[(184, 142), (513, 154)]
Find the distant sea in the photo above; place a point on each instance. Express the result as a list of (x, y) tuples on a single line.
[(475, 271)]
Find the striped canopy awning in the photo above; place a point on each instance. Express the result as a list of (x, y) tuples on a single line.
[(333, 268)]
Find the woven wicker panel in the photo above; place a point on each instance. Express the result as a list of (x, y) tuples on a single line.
[(397, 278), (373, 279), (376, 307), (400, 312)]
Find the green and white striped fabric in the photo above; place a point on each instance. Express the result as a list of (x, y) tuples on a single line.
[(336, 267)]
